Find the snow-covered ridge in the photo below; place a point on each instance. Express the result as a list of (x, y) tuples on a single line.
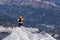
[(29, 2), (51, 3), (18, 1), (22, 33), (9, 29)]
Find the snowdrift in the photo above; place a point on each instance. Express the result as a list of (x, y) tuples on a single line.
[(22, 33)]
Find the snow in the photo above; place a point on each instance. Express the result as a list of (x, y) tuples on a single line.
[(28, 2), (56, 35), (51, 3), (4, 29), (22, 33), (50, 26)]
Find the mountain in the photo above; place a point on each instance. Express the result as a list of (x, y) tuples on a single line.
[(44, 11), (42, 14), (22, 34), (29, 2)]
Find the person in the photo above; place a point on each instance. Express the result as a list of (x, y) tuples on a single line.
[(20, 21)]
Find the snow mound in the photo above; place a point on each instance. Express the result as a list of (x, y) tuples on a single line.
[(5, 29), (22, 33)]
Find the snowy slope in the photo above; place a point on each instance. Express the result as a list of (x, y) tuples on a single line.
[(5, 29), (21, 33)]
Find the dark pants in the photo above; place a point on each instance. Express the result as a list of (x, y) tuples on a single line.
[(20, 24)]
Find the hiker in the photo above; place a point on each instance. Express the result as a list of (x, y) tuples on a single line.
[(20, 21)]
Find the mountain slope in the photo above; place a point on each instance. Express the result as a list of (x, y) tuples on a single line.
[(44, 14), (22, 34)]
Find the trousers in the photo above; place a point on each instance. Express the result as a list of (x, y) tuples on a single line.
[(20, 24)]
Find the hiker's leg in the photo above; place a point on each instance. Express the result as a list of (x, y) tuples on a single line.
[(22, 24), (19, 24)]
